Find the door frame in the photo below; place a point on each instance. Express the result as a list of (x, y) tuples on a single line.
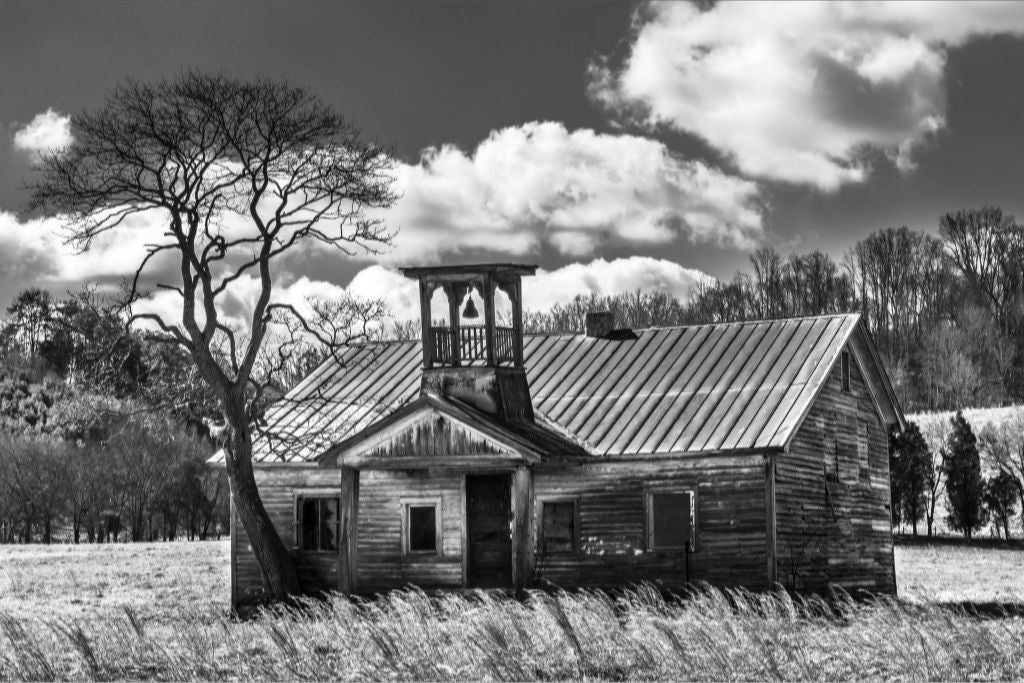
[(523, 534), (510, 473)]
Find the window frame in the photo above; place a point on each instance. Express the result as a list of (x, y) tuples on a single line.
[(299, 497), (649, 495), (575, 501), (845, 371), (409, 503)]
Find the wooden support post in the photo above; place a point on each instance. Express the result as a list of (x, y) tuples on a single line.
[(523, 528), (771, 542), (428, 343), (517, 323), (349, 521), (455, 292), (488, 297)]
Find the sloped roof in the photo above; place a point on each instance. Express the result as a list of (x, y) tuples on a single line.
[(694, 389)]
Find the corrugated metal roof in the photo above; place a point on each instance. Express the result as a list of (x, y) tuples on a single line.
[(696, 389)]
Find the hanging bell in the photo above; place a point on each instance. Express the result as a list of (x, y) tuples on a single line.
[(470, 311)]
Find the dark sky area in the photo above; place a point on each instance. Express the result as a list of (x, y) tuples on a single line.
[(420, 74)]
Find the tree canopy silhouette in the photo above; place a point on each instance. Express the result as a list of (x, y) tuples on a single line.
[(240, 173)]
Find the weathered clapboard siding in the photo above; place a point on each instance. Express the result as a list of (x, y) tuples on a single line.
[(278, 489), (789, 473), (381, 563), (832, 494), (730, 523)]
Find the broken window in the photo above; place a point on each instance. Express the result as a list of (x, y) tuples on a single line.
[(421, 528), (670, 520), (558, 526), (317, 523)]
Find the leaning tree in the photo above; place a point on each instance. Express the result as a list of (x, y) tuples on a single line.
[(241, 174)]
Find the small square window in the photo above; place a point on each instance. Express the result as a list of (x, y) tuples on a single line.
[(318, 524), (670, 520), (845, 371), (421, 528), (558, 527)]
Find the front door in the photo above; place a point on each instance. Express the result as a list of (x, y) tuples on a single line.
[(489, 530)]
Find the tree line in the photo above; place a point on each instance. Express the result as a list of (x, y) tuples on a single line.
[(91, 449), (946, 465), (946, 311)]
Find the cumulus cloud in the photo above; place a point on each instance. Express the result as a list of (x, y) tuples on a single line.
[(47, 132), (607, 278), (798, 92), (548, 287), (538, 184)]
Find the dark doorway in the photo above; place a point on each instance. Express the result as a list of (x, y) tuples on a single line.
[(489, 530)]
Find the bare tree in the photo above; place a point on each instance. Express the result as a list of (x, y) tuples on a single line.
[(241, 174), (936, 433), (1002, 446), (985, 245)]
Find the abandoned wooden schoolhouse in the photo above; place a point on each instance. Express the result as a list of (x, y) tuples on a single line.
[(740, 454)]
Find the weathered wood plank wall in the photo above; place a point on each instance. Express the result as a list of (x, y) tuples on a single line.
[(278, 489), (832, 494), (381, 564), (730, 522)]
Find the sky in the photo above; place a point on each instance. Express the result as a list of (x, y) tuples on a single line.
[(617, 145)]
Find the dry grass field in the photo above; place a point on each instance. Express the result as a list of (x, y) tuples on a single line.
[(160, 612)]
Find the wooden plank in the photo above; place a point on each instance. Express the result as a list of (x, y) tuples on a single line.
[(347, 557), (489, 322), (771, 538), (524, 528)]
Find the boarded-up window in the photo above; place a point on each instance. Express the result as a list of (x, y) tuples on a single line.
[(670, 520), (317, 519), (558, 526), (845, 370), (421, 528)]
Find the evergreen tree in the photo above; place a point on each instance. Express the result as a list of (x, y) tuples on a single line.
[(965, 487), (910, 462), (1001, 493)]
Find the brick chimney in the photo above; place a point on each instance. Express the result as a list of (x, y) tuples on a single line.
[(600, 324)]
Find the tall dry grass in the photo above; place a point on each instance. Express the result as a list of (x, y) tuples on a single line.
[(409, 635)]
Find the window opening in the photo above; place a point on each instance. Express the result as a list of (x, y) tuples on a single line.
[(318, 524), (421, 528), (558, 526), (670, 520)]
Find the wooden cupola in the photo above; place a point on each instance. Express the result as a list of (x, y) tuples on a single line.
[(473, 351)]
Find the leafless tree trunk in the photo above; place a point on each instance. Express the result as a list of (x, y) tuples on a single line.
[(239, 174)]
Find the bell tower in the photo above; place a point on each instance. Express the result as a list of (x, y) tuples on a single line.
[(473, 355)]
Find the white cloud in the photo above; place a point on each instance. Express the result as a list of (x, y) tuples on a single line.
[(799, 91), (112, 255), (546, 288), (47, 132), (607, 278), (540, 184)]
